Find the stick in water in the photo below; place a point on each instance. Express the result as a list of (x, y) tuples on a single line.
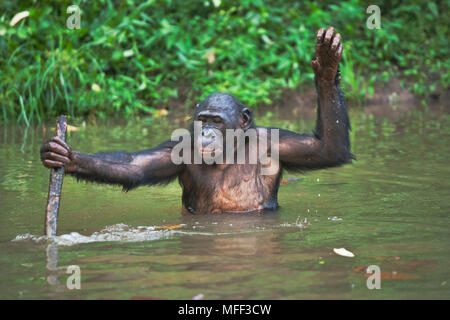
[(54, 188)]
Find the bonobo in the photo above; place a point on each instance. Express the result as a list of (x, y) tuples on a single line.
[(227, 186)]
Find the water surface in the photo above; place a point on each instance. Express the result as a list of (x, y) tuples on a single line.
[(390, 208)]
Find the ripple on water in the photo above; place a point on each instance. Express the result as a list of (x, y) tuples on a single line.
[(123, 233), (117, 232)]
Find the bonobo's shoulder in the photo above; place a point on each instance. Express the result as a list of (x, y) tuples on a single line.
[(168, 144), (163, 146), (283, 134), (266, 130)]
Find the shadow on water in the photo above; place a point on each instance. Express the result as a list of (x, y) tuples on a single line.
[(390, 208)]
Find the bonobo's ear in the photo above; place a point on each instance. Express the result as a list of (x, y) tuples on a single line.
[(247, 118)]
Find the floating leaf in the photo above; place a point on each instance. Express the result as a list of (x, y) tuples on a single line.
[(286, 181), (394, 276), (170, 227), (359, 269), (385, 275), (200, 296), (343, 252), (396, 258)]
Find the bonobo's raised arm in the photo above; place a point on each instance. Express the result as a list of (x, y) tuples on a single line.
[(153, 166), (330, 145)]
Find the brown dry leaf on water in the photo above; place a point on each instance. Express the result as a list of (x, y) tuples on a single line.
[(393, 275), (170, 227), (359, 269), (288, 180), (396, 258)]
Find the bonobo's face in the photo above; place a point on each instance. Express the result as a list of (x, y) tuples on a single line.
[(218, 112)]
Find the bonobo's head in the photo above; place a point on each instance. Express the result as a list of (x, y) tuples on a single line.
[(218, 112)]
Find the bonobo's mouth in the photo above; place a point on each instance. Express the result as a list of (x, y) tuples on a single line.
[(209, 150)]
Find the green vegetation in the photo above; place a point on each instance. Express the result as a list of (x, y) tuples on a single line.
[(132, 56)]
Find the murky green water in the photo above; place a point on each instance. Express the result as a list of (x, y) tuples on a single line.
[(390, 208)]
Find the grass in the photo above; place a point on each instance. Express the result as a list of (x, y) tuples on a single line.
[(137, 57)]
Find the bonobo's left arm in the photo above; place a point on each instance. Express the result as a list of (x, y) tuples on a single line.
[(330, 144)]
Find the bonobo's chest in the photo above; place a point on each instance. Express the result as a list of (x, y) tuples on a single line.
[(231, 188)]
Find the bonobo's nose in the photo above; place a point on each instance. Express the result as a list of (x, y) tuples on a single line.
[(210, 139), (208, 133)]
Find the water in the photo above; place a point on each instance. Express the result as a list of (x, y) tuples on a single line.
[(390, 208)]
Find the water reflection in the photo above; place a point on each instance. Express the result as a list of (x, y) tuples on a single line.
[(241, 235), (51, 254)]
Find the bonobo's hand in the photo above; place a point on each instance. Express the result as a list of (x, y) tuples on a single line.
[(328, 53), (55, 153)]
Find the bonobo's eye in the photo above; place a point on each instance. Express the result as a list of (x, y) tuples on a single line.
[(202, 119), (218, 120)]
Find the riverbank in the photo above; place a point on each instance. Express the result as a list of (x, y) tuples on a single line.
[(137, 58)]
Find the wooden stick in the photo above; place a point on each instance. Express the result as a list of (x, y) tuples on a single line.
[(55, 185)]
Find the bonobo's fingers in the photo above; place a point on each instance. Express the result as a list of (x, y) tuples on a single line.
[(61, 142), (55, 157), (328, 35), (328, 54), (320, 35), (52, 164), (53, 146), (56, 153), (336, 41), (339, 50)]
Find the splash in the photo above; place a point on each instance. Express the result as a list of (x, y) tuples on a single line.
[(118, 232)]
